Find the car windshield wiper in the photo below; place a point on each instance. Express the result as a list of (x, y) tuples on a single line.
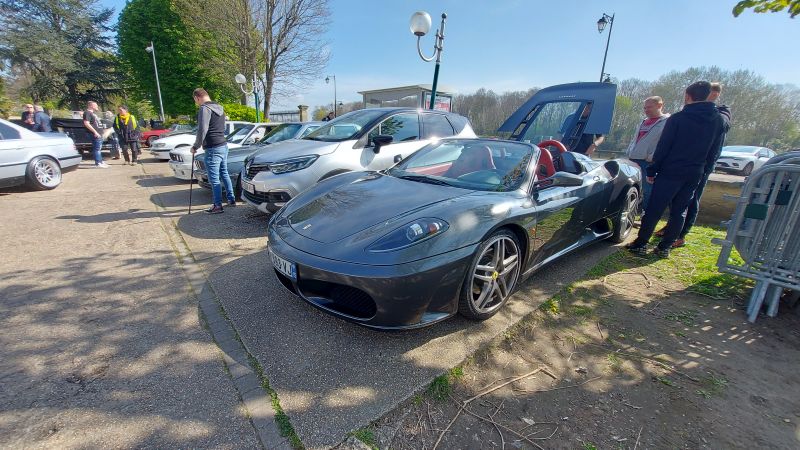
[(424, 179)]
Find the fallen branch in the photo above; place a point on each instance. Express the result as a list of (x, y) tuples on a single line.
[(478, 416), (532, 391), (632, 406), (637, 437), (602, 338)]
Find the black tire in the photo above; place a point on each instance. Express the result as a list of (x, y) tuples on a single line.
[(43, 173), (623, 220), (748, 169), (498, 279), (237, 189)]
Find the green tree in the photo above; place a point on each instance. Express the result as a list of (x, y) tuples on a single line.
[(179, 56), (763, 6), (63, 45)]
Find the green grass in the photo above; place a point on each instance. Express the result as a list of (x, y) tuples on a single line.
[(367, 436), (442, 386), (712, 385), (284, 425), (551, 305), (614, 362)]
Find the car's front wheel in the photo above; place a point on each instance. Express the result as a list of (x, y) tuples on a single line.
[(43, 173), (623, 222), (493, 275), (748, 169)]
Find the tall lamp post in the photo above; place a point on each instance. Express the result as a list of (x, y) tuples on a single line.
[(420, 25), (242, 81), (335, 104), (601, 25), (152, 50)]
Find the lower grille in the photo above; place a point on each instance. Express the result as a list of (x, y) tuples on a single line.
[(344, 299), (254, 169), (267, 197)]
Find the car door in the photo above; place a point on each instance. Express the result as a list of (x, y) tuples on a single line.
[(564, 112), (558, 220), (13, 162), (405, 131)]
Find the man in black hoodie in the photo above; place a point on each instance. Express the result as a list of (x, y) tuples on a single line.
[(211, 136), (688, 145)]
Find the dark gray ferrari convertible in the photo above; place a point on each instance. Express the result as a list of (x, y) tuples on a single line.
[(453, 228)]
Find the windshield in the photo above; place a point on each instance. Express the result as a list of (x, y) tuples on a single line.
[(281, 133), (238, 136), (485, 165), (345, 127), (740, 149)]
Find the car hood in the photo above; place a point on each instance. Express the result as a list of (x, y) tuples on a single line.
[(725, 154), (289, 149), (239, 154), (176, 139), (361, 203)]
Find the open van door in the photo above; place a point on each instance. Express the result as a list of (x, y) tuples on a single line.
[(564, 113)]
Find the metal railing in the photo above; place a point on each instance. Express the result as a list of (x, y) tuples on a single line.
[(765, 230)]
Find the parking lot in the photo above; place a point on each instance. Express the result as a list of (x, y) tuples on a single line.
[(105, 343)]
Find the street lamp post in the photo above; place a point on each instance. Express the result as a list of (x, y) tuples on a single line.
[(335, 104), (242, 81), (420, 25), (601, 25), (152, 50)]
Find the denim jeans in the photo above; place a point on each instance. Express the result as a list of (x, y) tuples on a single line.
[(674, 193), (647, 188), (97, 146), (694, 206), (216, 160)]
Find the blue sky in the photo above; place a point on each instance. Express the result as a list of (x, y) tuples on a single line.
[(517, 44)]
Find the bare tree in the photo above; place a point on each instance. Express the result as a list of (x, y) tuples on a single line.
[(294, 51)]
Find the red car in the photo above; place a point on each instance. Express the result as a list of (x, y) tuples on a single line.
[(149, 136)]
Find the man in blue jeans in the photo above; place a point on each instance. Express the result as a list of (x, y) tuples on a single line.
[(211, 136), (643, 145), (92, 124), (687, 146)]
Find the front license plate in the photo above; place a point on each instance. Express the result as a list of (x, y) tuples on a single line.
[(283, 266), (248, 187)]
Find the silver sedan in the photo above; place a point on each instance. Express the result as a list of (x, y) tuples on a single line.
[(35, 159)]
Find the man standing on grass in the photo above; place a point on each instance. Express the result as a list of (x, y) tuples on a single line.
[(92, 124), (687, 147), (694, 203), (643, 145), (211, 136)]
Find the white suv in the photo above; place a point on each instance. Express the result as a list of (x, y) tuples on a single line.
[(742, 159), (368, 139)]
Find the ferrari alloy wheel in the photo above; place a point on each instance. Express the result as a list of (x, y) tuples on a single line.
[(623, 223), (43, 173), (493, 276)]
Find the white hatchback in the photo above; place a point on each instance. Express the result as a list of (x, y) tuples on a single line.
[(742, 159)]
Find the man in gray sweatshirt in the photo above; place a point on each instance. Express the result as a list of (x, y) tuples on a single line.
[(211, 136), (644, 143)]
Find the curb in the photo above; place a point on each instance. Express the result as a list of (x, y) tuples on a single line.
[(235, 356)]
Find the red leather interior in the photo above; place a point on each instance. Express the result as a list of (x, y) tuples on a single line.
[(545, 167), (472, 159), (436, 169)]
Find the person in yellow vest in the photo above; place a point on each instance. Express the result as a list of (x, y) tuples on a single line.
[(128, 134)]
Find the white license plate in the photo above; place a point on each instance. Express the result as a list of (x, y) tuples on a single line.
[(248, 187), (283, 266)]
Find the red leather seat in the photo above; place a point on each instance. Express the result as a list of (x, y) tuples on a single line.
[(472, 159), (545, 167)]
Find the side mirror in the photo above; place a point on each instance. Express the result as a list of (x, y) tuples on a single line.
[(398, 158), (561, 179), (381, 140)]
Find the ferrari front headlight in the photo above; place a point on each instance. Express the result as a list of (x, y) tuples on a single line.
[(410, 234)]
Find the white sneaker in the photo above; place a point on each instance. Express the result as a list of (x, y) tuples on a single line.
[(102, 166)]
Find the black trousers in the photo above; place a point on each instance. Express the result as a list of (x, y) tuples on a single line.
[(672, 193), (134, 149)]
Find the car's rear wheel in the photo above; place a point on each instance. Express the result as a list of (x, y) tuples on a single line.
[(43, 173), (748, 169), (493, 275), (623, 222)]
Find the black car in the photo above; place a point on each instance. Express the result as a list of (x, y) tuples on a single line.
[(451, 229)]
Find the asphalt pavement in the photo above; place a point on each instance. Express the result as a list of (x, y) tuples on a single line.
[(102, 345)]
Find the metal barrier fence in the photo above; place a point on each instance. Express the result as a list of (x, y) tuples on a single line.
[(765, 230)]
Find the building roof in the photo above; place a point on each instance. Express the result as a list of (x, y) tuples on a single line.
[(426, 87)]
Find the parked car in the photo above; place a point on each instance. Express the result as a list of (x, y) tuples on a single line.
[(742, 159), (80, 135), (162, 147), (180, 160), (35, 159), (453, 228), (147, 137), (236, 157), (250, 134), (368, 139)]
